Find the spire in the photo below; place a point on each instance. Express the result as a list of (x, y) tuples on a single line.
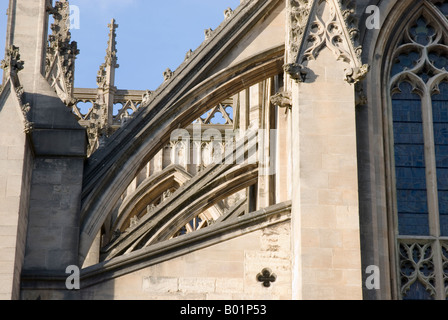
[(106, 74), (101, 126)]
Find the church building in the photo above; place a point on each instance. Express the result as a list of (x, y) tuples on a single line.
[(299, 153)]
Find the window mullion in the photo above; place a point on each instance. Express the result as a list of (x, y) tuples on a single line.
[(431, 168), (432, 188)]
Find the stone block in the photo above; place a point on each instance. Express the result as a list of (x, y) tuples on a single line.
[(330, 238), (219, 296), (346, 258), (310, 238), (16, 153), (327, 276), (347, 217), (157, 285), (11, 167), (320, 258), (229, 286), (3, 153), (14, 186), (314, 216), (197, 285)]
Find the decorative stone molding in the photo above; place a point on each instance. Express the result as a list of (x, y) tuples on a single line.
[(297, 71), (334, 26), (298, 11)]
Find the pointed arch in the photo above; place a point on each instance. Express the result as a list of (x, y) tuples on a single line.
[(376, 148)]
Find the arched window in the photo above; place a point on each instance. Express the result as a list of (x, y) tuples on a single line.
[(419, 108)]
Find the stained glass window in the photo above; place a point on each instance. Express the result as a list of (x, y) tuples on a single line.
[(419, 107), (410, 169), (440, 118)]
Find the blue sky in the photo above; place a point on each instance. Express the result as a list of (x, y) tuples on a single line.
[(152, 36)]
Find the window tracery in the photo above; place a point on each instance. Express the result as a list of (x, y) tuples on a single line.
[(419, 108)]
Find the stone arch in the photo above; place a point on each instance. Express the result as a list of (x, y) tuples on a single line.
[(152, 188), (107, 177), (197, 195)]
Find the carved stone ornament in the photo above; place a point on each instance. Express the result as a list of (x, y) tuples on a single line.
[(299, 11), (12, 63), (354, 75), (146, 98), (61, 53), (266, 277), (331, 24), (297, 71), (208, 33), (168, 74), (228, 13), (25, 107), (282, 99)]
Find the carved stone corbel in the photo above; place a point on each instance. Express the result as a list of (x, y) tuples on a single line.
[(296, 71), (282, 99), (354, 75)]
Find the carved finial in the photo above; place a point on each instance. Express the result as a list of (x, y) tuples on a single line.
[(105, 74), (228, 13), (146, 98), (111, 57), (168, 74), (208, 33), (12, 63), (189, 54)]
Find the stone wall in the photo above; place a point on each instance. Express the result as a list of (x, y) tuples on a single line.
[(15, 174), (225, 271)]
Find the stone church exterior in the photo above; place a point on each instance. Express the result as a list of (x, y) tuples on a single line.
[(300, 152)]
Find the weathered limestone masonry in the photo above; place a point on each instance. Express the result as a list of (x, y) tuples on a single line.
[(53, 149), (15, 176), (116, 195), (326, 236)]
